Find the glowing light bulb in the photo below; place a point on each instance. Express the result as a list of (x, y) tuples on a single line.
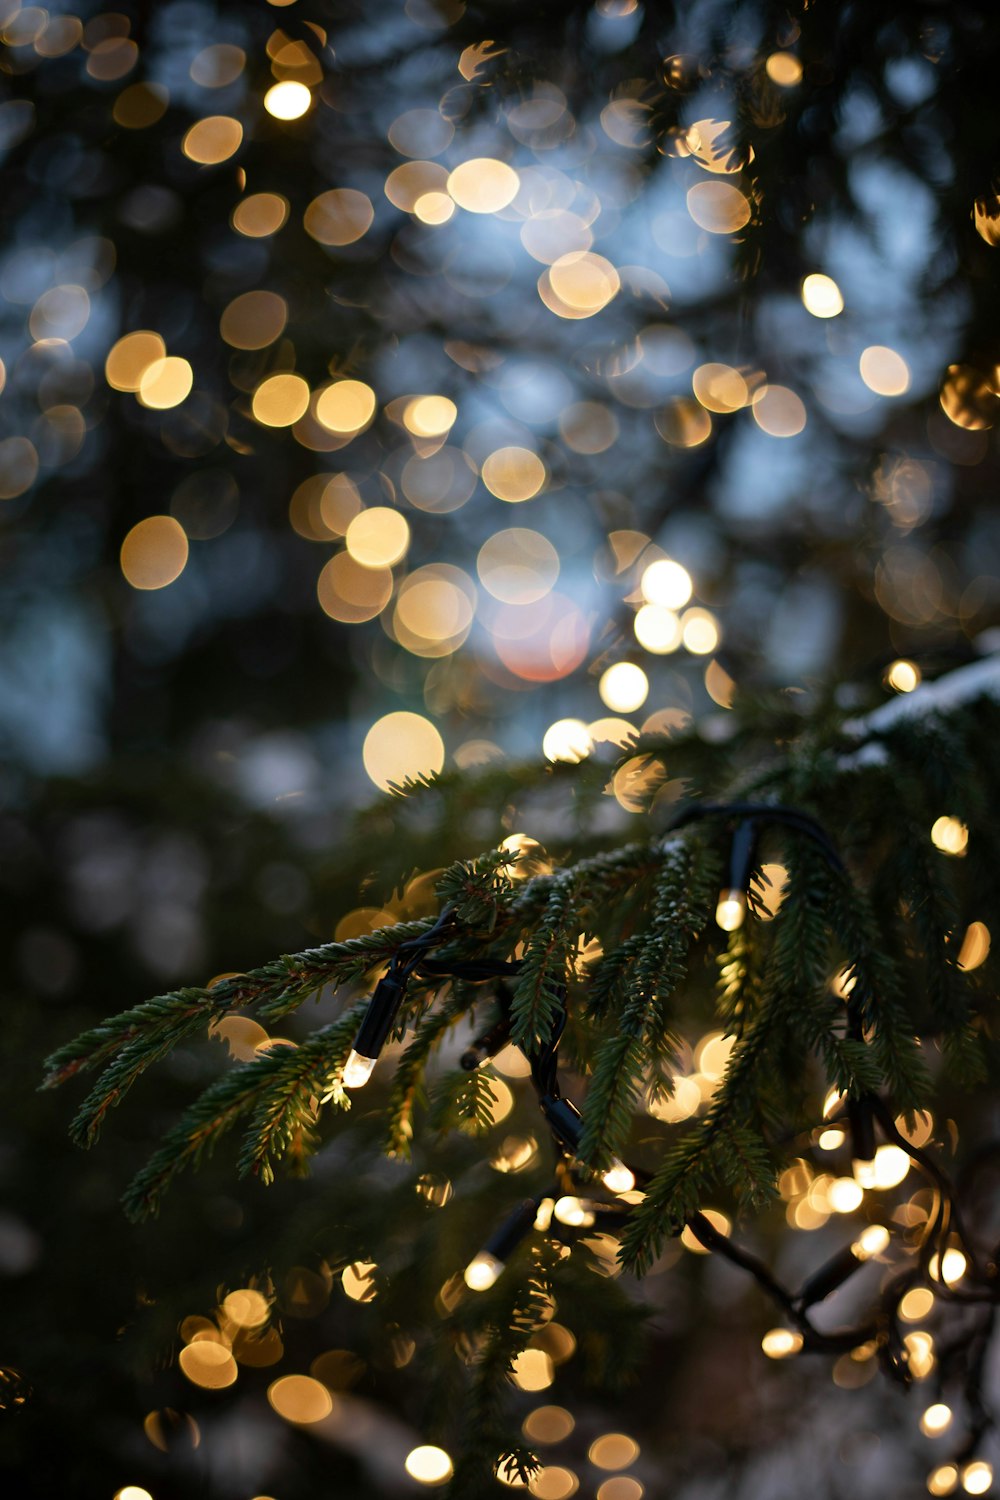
[(864, 1173), (573, 1211), (781, 1343), (731, 910), (618, 1178), (358, 1070), (943, 1479), (953, 1266), (287, 100), (871, 1241), (482, 1271), (935, 1419), (977, 1477)]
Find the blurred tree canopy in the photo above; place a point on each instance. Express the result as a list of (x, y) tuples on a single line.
[(545, 374)]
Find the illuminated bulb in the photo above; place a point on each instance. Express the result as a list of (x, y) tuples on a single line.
[(844, 1195), (920, 1354), (953, 1266), (482, 1271), (903, 676), (821, 296), (935, 1419), (544, 1216), (977, 1477), (287, 100), (358, 1070), (781, 1343), (731, 910), (831, 1139), (618, 1178), (871, 1241), (666, 583), (572, 1211), (891, 1166), (943, 1479)]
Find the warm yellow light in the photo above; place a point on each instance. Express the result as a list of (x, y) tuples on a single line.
[(350, 592), (717, 1220), (430, 416), (280, 400), (891, 1166), (300, 1398), (920, 1354), (950, 835), (572, 1210), (378, 537), (784, 69), (548, 1424), (567, 739), (666, 583), (977, 1477), (821, 296), (943, 1479), (699, 631), (731, 910), (212, 140), (165, 383), (584, 282), (614, 1450), (844, 1195), (953, 1266), (657, 629), (623, 687), (720, 388), (154, 553), (884, 371), (130, 358), (246, 1308), (872, 1240), (345, 406), (781, 1343), (903, 676), (434, 208), (831, 1140), (483, 185), (208, 1364), (917, 1304), (718, 207), (339, 217), (428, 1464), (778, 411), (935, 1419), (482, 1271), (132, 1492), (253, 320), (975, 947), (518, 566), (287, 100), (260, 215), (358, 1281), (532, 1370), (358, 1070), (402, 745), (619, 1179), (513, 474)]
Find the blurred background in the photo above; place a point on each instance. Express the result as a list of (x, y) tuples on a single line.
[(404, 388)]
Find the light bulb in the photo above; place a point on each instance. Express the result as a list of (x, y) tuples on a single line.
[(618, 1178), (358, 1070), (935, 1419), (871, 1241), (482, 1271), (574, 1212), (977, 1477), (731, 910)]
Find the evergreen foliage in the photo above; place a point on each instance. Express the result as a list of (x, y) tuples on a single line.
[(616, 947)]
